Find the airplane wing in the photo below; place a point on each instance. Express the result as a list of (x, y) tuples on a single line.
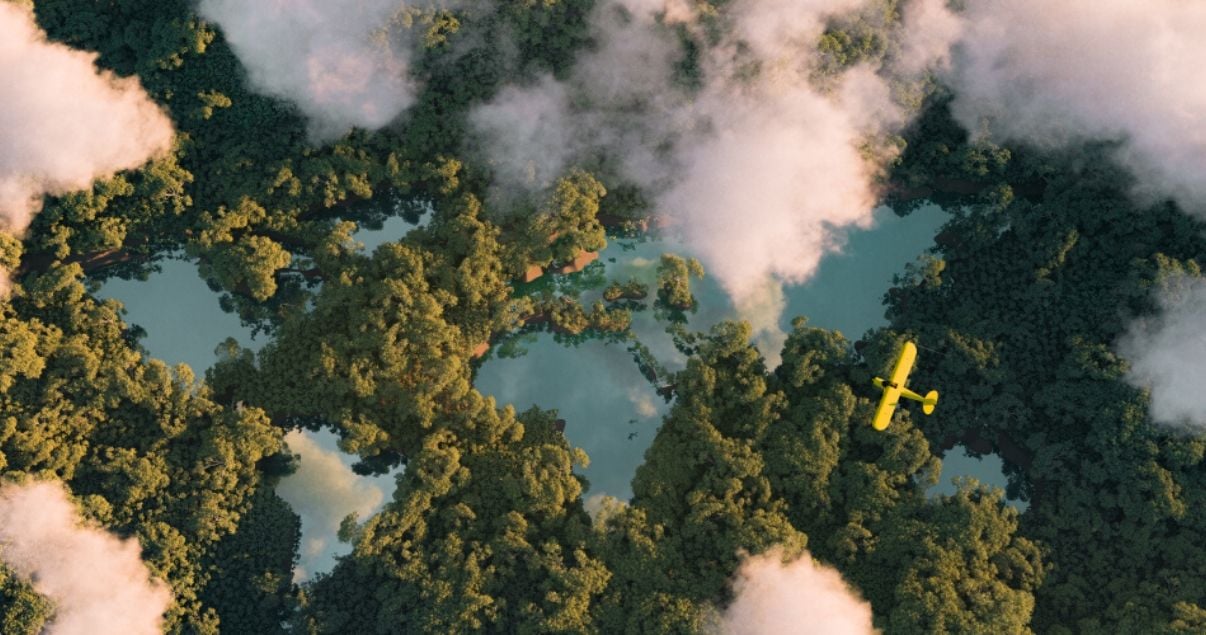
[(900, 373), (904, 364), (887, 405)]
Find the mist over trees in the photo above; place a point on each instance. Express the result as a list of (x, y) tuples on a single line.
[(1053, 260)]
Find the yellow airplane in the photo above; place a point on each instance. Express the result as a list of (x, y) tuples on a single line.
[(895, 389)]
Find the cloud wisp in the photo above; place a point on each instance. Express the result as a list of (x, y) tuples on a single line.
[(1167, 353), (97, 582), (1053, 73), (344, 64)]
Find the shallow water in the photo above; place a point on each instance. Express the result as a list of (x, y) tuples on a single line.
[(611, 411), (323, 491), (988, 470), (180, 314)]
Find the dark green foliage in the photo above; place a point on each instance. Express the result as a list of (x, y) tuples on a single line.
[(150, 455), (548, 32), (254, 568), (1024, 302), (486, 533)]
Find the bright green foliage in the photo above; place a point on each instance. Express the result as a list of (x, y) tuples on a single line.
[(674, 280), (140, 445), (565, 225), (132, 216), (633, 289), (10, 252), (567, 317), (957, 567), (570, 215), (248, 266), (486, 532), (22, 610), (375, 356), (387, 345), (465, 255)]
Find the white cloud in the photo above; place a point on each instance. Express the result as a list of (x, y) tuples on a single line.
[(1050, 73), (526, 135), (63, 122), (1167, 353), (928, 29), (641, 398), (345, 64), (798, 597), (97, 582)]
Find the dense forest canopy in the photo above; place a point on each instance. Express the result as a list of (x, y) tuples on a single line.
[(256, 138)]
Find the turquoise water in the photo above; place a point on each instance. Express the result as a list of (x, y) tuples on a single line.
[(180, 314), (987, 470), (611, 411)]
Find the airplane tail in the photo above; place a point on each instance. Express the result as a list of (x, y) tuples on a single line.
[(931, 400)]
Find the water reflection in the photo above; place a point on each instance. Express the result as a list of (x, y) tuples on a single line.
[(611, 411), (183, 324), (392, 229), (988, 470), (180, 315), (323, 491)]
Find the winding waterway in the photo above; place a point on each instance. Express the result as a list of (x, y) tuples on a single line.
[(610, 410)]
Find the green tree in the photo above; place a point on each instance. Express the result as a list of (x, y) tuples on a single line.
[(143, 448), (674, 281), (22, 610), (486, 533), (1024, 301), (700, 497)]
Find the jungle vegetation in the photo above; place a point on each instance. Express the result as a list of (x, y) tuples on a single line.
[(1044, 259)]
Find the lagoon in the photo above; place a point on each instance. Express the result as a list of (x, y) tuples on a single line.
[(611, 411)]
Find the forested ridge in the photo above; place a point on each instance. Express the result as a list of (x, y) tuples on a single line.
[(1045, 259)]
